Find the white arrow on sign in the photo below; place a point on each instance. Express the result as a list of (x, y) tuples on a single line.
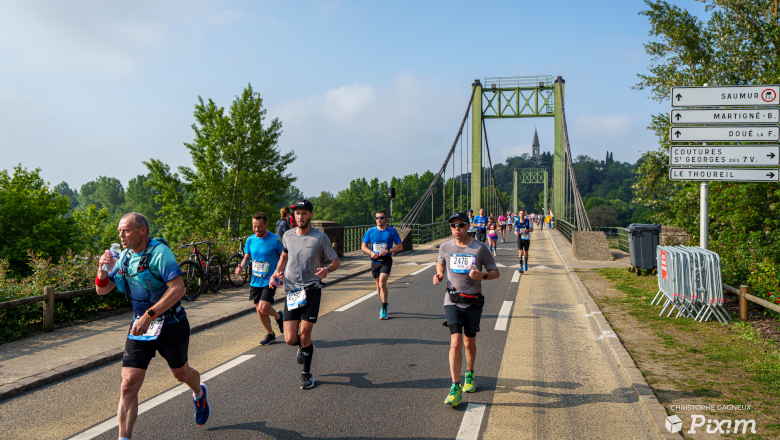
[(724, 174), (725, 116), (718, 155), (725, 134), (726, 96)]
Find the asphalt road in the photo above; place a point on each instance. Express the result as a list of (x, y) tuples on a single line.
[(375, 379)]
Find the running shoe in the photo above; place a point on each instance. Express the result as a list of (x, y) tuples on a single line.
[(280, 322), (307, 381), (269, 339), (494, 252), (202, 407), (525, 267), (503, 240), (471, 385), (299, 357), (455, 395), (521, 269), (383, 312)]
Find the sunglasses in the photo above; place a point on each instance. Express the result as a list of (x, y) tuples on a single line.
[(380, 218), (458, 225)]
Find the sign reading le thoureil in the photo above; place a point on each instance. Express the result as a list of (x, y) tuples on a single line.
[(724, 174)]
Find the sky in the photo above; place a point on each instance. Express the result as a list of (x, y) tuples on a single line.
[(362, 88)]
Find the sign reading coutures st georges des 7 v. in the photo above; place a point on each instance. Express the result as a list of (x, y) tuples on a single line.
[(718, 111)]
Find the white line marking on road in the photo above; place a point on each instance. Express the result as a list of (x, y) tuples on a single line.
[(515, 277), (541, 266), (472, 420), (419, 271), (409, 264), (162, 398), (499, 265), (503, 316), (356, 302)]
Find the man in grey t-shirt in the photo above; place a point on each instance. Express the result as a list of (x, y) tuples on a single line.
[(463, 259), (302, 265)]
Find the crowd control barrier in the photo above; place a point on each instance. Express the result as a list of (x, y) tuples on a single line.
[(689, 281)]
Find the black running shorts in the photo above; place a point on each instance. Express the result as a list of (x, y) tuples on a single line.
[(523, 245), (258, 294), (481, 236), (173, 343), (379, 267), (307, 312), (463, 319)]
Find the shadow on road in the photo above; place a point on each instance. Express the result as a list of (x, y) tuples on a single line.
[(286, 434)]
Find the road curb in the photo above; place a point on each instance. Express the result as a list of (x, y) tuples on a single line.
[(647, 399), (39, 380)]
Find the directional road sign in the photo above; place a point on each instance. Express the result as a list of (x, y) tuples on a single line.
[(725, 174), (726, 96), (718, 155), (753, 133), (725, 116)]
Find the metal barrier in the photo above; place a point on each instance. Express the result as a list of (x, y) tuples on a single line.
[(689, 280), (617, 238), (565, 228), (353, 237)]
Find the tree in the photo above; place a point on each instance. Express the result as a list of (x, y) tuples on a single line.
[(64, 189), (238, 168), (32, 217), (603, 215), (103, 192), (141, 197)]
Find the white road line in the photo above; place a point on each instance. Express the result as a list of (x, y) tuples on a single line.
[(503, 316), (515, 277), (472, 420), (419, 271), (499, 265), (162, 398), (356, 302)]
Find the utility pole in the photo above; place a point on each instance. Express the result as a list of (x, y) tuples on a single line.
[(704, 218)]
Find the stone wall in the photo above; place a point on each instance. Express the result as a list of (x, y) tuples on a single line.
[(590, 245), (671, 236), (335, 233)]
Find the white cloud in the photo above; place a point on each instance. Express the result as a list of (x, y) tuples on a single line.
[(369, 131), (514, 150)]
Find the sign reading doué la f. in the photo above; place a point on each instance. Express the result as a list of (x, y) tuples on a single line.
[(735, 96)]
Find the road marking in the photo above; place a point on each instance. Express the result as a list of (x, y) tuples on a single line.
[(419, 271), (409, 264), (162, 398), (515, 277), (541, 266), (499, 265), (472, 420), (356, 302), (503, 316)]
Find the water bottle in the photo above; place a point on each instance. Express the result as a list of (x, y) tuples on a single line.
[(115, 250)]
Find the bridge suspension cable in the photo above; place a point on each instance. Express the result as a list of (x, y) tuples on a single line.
[(580, 215), (495, 200)]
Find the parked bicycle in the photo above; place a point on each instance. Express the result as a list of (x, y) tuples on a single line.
[(211, 265), (194, 281), (234, 261)]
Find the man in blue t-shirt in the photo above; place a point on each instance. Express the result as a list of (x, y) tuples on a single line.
[(480, 222), (147, 272), (263, 249), (381, 242), (523, 229)]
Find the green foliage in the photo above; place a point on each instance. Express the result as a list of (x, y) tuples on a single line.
[(737, 45), (103, 192), (64, 189), (32, 217), (94, 232)]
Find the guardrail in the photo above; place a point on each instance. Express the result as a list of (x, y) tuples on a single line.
[(617, 238), (564, 228)]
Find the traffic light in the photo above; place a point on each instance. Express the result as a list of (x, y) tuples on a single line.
[(391, 193)]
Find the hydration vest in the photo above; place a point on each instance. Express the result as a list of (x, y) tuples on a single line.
[(155, 287)]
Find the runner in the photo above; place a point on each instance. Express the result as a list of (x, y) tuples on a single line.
[(523, 229), (502, 226), (306, 250), (463, 258), (264, 250), (147, 272), (472, 228), (492, 229), (381, 242), (283, 224), (552, 220), (481, 223)]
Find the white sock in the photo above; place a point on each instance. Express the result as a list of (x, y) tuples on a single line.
[(199, 395)]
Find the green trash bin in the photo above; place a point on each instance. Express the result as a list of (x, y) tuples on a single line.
[(642, 243)]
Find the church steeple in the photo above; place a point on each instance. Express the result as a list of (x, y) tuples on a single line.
[(535, 147)]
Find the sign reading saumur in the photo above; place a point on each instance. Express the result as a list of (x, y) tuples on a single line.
[(733, 114)]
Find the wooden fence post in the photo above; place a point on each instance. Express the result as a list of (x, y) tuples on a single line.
[(743, 302), (48, 309)]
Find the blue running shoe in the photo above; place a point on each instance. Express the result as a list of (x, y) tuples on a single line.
[(525, 268), (383, 312), (202, 407)]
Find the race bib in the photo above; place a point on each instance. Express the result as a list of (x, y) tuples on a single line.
[(296, 299), (151, 334), (260, 268), (379, 247), (525, 236), (462, 263)]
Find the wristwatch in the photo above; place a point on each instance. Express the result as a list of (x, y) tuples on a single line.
[(151, 313), (484, 276), (329, 269)]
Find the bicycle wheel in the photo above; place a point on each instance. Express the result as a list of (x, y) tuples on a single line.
[(215, 273), (194, 282), (235, 280)]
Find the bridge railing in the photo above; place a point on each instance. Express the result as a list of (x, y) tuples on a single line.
[(564, 227), (616, 237), (353, 235)]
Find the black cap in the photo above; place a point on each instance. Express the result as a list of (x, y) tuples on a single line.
[(471, 210), (459, 216), (303, 203)]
